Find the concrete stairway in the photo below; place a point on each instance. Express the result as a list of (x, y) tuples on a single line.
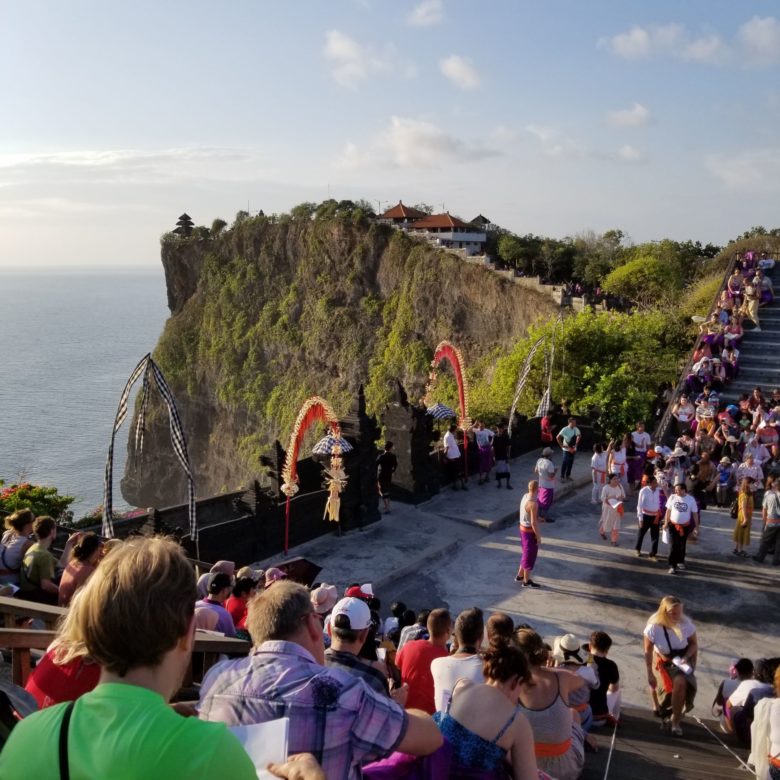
[(759, 358)]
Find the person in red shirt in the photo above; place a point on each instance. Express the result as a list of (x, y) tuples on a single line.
[(66, 672), (236, 604), (415, 657)]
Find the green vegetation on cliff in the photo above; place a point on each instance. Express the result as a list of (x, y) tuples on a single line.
[(273, 309)]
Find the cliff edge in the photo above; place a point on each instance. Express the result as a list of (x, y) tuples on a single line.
[(276, 309)]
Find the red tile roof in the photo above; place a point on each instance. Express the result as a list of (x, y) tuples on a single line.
[(403, 212), (440, 221)]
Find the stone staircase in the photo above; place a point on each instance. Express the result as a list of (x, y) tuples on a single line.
[(759, 357)]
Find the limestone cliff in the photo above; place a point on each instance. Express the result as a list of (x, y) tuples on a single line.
[(274, 310)]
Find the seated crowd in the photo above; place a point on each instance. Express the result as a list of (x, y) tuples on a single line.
[(364, 696)]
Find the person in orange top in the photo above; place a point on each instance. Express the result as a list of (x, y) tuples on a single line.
[(414, 661), (84, 559)]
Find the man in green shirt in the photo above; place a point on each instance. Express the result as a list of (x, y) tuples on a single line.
[(38, 575), (136, 617)]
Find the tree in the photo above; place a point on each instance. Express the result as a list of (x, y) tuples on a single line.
[(424, 207), (241, 216), (646, 281), (303, 210), (217, 226)]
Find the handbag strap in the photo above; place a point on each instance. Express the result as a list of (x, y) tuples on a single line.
[(64, 728)]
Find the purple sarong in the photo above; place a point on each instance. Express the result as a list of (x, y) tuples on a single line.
[(530, 550), (545, 497), (485, 459), (636, 467)]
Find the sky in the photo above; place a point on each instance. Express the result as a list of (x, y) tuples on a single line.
[(659, 118)]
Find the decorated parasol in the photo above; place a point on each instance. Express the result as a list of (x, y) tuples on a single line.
[(330, 444), (440, 412)]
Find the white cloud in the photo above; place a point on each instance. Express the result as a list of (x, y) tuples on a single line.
[(426, 14), (555, 143), (759, 39), (756, 43), (641, 42), (707, 49), (413, 143), (756, 170), (460, 71), (351, 62), (636, 116), (628, 153)]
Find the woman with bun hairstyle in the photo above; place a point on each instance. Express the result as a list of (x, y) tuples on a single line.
[(15, 543), (84, 559), (547, 698), (489, 735)]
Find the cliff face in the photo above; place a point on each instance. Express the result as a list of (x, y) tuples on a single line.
[(273, 311)]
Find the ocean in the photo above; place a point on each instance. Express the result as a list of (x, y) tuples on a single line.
[(68, 343)]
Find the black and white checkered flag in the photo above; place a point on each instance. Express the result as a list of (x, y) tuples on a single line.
[(149, 370)]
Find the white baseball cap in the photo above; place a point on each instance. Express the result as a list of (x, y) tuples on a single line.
[(352, 614)]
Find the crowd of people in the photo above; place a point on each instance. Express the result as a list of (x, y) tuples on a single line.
[(476, 696)]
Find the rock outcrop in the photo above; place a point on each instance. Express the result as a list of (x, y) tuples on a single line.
[(274, 310)]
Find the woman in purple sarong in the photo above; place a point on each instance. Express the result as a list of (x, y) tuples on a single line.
[(734, 286), (529, 535), (545, 470)]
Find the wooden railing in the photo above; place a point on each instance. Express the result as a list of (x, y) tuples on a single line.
[(662, 429), (22, 641)]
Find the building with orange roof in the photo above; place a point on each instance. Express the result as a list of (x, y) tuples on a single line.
[(450, 232)]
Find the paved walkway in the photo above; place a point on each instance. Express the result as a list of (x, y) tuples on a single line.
[(458, 550), (412, 537)]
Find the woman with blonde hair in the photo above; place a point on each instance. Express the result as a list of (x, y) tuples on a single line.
[(66, 671), (744, 517), (15, 542), (670, 649)]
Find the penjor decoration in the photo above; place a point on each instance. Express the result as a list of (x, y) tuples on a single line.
[(314, 409), (449, 352)]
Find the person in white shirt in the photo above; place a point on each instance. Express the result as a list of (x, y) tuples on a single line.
[(598, 470), (682, 520), (464, 663), (453, 458), (545, 470), (484, 438), (648, 513), (636, 467)]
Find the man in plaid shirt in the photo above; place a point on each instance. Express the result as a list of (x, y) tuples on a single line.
[(333, 714)]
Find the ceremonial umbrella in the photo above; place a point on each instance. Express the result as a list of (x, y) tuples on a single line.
[(440, 412), (327, 444)]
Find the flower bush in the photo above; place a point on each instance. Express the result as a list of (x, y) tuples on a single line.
[(40, 499)]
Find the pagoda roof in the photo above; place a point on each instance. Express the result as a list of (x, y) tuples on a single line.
[(481, 219), (400, 211), (445, 220), (186, 216)]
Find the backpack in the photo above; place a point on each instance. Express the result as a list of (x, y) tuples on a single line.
[(734, 509)]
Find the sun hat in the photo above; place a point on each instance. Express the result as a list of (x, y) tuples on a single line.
[(247, 572), (678, 452), (324, 598), (725, 461), (352, 614), (567, 649), (273, 575)]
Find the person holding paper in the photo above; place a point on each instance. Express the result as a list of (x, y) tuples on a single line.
[(333, 713), (671, 650), (612, 497), (124, 729)]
